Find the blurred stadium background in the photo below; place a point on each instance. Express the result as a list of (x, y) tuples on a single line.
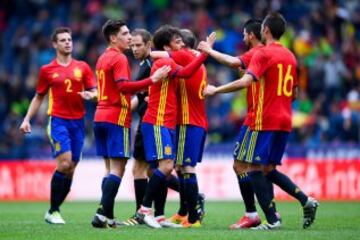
[(323, 155)]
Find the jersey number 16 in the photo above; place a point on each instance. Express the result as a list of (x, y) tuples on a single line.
[(285, 84)]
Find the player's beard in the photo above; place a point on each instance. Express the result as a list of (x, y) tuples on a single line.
[(65, 52)]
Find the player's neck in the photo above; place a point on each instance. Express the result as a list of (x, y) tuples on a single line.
[(63, 60), (270, 41), (256, 44), (116, 48)]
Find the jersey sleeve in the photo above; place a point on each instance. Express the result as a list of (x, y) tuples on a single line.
[(120, 68), (89, 79), (258, 64), (181, 57), (43, 83), (191, 68), (245, 59)]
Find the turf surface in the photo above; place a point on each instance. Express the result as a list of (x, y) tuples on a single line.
[(23, 220)]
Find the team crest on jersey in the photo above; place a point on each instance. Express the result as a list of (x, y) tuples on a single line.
[(55, 75), (188, 160), (258, 158), (77, 74), (168, 150), (57, 147)]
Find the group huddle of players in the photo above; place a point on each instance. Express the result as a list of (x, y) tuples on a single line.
[(169, 95)]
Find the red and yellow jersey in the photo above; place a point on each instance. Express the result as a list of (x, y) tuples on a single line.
[(113, 106), (191, 100), (274, 68), (251, 90), (162, 104), (63, 84)]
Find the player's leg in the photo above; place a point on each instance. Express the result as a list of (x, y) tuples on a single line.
[(112, 142), (285, 183), (191, 142), (140, 169), (76, 130), (258, 149), (111, 187), (251, 217), (61, 150), (159, 146)]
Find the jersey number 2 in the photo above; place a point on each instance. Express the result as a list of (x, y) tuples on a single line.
[(285, 84), (68, 85)]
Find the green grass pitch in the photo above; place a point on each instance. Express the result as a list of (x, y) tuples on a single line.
[(23, 220)]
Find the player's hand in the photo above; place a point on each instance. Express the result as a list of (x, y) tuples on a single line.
[(211, 39), (25, 127), (209, 90), (204, 47), (160, 74), (87, 95)]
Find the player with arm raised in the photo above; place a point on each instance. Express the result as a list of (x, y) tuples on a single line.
[(159, 122), (252, 39), (274, 69)]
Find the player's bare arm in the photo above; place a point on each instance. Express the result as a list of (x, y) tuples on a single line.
[(225, 59), (236, 85), (35, 104), (159, 54)]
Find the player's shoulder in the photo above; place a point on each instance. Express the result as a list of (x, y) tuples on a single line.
[(49, 65), (81, 63)]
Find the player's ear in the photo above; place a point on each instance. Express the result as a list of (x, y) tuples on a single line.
[(112, 38), (54, 45), (167, 48)]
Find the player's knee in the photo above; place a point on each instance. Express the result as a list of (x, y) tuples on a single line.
[(239, 167), (166, 166), (268, 169), (139, 169), (188, 169), (65, 167)]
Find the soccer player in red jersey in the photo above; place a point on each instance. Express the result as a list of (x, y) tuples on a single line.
[(252, 39), (141, 48), (113, 113), (274, 69), (160, 120), (190, 133), (68, 82)]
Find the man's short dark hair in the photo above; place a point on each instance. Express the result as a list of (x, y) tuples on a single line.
[(276, 24), (253, 26), (145, 35), (58, 31), (164, 35), (111, 27), (188, 38)]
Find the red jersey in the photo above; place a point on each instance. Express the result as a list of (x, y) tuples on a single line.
[(113, 106), (162, 104), (274, 67), (191, 100), (251, 90), (63, 84)]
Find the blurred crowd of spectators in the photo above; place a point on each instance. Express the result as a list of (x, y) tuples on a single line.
[(324, 35)]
